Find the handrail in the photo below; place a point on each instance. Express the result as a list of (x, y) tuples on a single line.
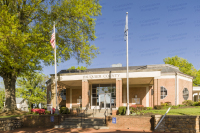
[(94, 109), (162, 118)]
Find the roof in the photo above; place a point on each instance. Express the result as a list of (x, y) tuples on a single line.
[(165, 68), (19, 100)]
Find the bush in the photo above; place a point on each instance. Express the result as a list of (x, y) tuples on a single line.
[(137, 109), (149, 108), (64, 110), (158, 107), (122, 110), (38, 111), (47, 112), (164, 104), (174, 107), (181, 105), (188, 102), (196, 103)]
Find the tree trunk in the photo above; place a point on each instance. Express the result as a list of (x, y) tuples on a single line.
[(10, 101)]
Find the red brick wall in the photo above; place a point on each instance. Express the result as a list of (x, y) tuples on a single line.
[(48, 96), (68, 97), (85, 97), (169, 84), (75, 95), (150, 97), (118, 93), (130, 122), (140, 92), (184, 84)]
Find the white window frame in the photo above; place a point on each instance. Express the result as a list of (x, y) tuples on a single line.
[(161, 92), (185, 94)]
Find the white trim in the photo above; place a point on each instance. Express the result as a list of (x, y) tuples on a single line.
[(185, 78), (177, 100), (86, 77), (165, 77), (147, 96), (70, 97)]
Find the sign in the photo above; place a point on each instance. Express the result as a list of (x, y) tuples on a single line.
[(49, 107), (114, 120), (52, 118), (99, 76)]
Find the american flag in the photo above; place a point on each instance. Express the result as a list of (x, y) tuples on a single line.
[(52, 41)]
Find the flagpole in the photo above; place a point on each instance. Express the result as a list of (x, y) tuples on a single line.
[(127, 74), (56, 111)]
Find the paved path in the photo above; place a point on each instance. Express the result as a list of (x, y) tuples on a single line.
[(87, 130)]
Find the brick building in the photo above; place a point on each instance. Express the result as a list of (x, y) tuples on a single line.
[(106, 87)]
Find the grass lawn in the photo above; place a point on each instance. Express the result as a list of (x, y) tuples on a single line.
[(179, 111)]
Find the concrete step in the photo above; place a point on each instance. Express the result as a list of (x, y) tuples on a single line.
[(83, 126)]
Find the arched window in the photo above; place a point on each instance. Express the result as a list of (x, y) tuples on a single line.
[(163, 92), (185, 93)]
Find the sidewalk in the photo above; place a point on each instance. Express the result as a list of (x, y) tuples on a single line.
[(80, 130)]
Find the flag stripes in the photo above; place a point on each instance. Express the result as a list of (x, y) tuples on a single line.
[(52, 41)]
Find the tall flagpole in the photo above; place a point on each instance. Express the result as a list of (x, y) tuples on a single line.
[(127, 74), (56, 111)]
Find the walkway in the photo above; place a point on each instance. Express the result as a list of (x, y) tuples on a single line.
[(87, 130)]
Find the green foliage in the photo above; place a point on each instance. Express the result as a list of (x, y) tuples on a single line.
[(188, 103), (196, 103), (158, 107), (149, 108), (2, 98), (47, 112), (32, 88), (122, 110), (64, 110), (25, 32), (78, 68), (164, 104), (181, 105), (184, 66), (174, 107)]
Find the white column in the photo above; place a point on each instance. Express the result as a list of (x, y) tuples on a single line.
[(198, 97), (177, 100), (147, 96)]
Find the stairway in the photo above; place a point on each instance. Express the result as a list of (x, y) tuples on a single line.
[(96, 121), (75, 122)]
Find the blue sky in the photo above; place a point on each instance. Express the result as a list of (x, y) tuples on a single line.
[(157, 29)]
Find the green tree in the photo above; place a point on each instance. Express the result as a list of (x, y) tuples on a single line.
[(2, 98), (183, 65), (78, 68), (32, 88), (25, 34)]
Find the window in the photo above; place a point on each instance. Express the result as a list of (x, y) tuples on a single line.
[(63, 94), (163, 92), (185, 93)]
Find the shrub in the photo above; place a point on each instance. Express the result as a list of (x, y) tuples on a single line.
[(181, 105), (196, 103), (64, 110), (168, 103), (188, 102), (174, 107), (137, 108), (38, 111), (158, 107), (47, 112), (149, 108), (122, 110), (164, 104)]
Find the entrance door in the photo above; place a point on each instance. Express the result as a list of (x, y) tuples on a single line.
[(105, 100)]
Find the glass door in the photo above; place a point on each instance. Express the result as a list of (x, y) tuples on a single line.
[(105, 100)]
